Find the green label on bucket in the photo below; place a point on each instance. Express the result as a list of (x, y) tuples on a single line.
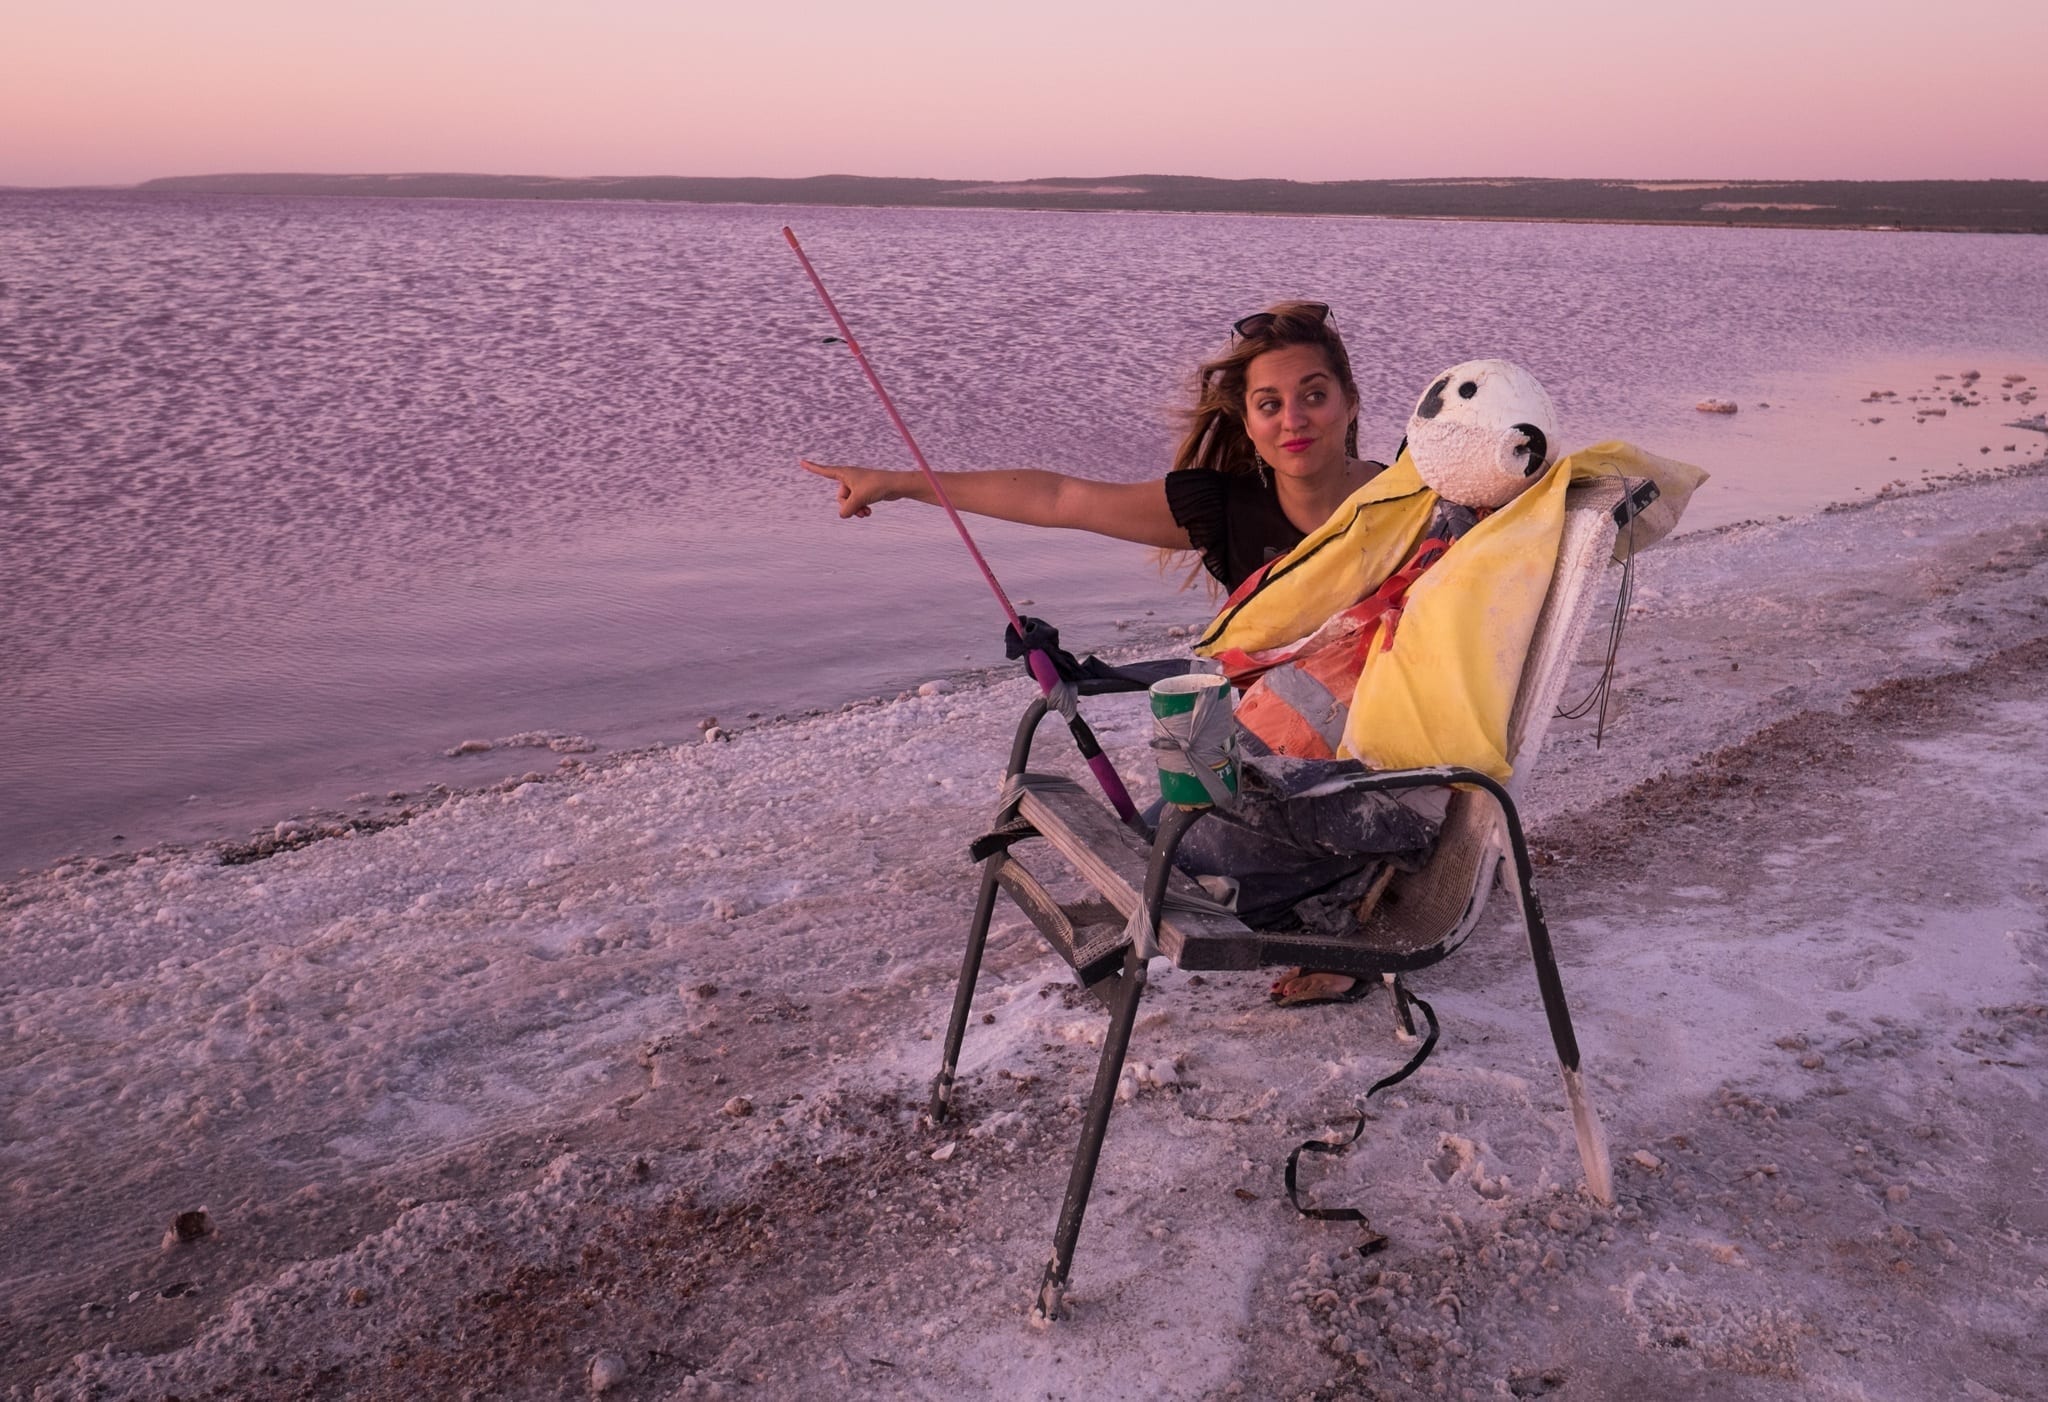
[(1186, 740)]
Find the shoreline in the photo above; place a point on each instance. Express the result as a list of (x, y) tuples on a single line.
[(298, 827)]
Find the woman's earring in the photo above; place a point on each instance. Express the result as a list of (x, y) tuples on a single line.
[(1265, 474)]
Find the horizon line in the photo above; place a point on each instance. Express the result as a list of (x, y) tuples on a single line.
[(1039, 179)]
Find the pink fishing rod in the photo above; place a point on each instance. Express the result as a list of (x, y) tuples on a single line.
[(1042, 669)]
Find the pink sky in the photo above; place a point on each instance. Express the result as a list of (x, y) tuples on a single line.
[(111, 91)]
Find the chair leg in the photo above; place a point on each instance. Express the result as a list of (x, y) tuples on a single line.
[(977, 932), (1591, 1136), (1585, 1123), (1592, 1139), (1404, 1021), (1115, 1044), (963, 993)]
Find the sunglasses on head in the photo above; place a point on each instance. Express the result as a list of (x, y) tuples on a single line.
[(1259, 323)]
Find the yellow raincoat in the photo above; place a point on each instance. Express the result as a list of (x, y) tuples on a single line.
[(1442, 693)]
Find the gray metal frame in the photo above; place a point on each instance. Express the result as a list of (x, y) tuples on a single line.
[(1444, 902), (1124, 988)]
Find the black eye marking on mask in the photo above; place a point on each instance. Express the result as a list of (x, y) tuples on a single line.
[(1468, 389), (1432, 403), (1537, 447)]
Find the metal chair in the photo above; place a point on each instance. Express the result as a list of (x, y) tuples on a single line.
[(1422, 917)]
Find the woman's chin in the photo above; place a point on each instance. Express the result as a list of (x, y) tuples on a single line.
[(1309, 468)]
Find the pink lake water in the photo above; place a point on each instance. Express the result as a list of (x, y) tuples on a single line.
[(298, 494)]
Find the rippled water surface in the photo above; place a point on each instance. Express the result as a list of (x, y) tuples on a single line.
[(297, 494)]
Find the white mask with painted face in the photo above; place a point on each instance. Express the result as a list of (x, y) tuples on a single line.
[(1482, 433)]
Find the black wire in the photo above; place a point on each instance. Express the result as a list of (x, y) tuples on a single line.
[(1604, 687)]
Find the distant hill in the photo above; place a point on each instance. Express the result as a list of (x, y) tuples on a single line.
[(2004, 206)]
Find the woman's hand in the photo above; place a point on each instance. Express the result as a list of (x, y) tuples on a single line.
[(859, 487)]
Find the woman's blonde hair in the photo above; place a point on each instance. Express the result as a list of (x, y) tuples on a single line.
[(1216, 436)]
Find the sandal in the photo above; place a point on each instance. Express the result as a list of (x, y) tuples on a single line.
[(1305, 987)]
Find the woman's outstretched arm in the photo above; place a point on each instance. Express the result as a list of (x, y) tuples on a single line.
[(1135, 511)]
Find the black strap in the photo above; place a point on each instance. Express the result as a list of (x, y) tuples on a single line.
[(1373, 1240)]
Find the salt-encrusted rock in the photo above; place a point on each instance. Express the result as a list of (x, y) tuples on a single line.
[(713, 735), (935, 688), (945, 1151), (739, 1107), (1154, 1076), (469, 747), (708, 723), (1717, 406), (607, 1371)]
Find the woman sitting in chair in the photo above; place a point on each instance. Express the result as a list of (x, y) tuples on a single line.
[(1270, 451)]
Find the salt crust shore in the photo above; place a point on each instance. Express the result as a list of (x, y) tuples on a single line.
[(460, 1098)]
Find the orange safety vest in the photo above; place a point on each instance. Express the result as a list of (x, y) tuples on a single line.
[(1297, 698)]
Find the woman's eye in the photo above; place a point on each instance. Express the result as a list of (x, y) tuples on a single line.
[(1269, 406)]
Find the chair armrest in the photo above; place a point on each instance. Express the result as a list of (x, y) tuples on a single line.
[(1436, 776), (1133, 676)]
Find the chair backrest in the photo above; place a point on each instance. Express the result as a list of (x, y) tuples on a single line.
[(1583, 554), (1437, 907)]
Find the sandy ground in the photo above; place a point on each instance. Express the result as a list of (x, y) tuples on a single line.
[(613, 1078)]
